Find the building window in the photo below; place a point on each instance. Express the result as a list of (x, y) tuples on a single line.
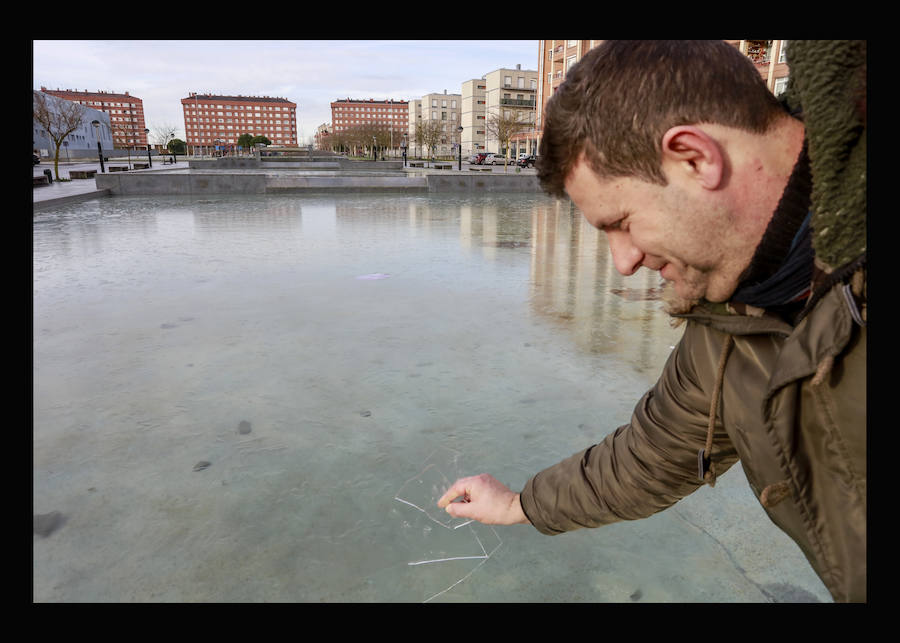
[(780, 86), (782, 54)]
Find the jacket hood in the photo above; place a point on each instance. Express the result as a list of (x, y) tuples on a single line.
[(828, 86)]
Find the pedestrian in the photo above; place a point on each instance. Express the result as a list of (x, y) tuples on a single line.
[(753, 210)]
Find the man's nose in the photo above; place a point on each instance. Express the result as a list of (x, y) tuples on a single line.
[(626, 256)]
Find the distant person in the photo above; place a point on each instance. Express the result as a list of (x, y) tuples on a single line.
[(756, 219)]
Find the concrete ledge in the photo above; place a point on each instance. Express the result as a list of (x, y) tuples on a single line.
[(285, 163), (86, 196), (182, 184), (346, 183), (302, 165), (210, 182), (493, 182)]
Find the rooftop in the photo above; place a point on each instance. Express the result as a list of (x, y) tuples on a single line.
[(256, 99)]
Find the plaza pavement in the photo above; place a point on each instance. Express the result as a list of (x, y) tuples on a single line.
[(60, 192)]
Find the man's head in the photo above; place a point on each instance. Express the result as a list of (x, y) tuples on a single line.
[(678, 151), (620, 99)]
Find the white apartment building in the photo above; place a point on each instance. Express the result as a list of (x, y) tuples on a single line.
[(473, 116), (502, 91), (438, 108)]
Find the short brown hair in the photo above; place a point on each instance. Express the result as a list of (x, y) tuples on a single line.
[(619, 100)]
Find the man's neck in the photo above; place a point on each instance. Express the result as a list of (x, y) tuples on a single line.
[(779, 262), (763, 169)]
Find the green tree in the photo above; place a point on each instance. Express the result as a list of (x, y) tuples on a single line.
[(245, 141), (177, 146)]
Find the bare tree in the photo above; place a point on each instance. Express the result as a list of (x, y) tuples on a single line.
[(504, 126), (58, 120), (162, 134), (123, 131), (428, 134)]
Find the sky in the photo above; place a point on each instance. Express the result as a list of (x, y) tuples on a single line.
[(309, 73)]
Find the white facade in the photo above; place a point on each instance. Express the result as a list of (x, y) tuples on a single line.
[(444, 109), (80, 143), (473, 116), (507, 92)]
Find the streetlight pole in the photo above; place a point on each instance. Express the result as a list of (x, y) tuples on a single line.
[(149, 160), (96, 125), (459, 143)]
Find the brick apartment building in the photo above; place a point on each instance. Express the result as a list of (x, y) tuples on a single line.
[(213, 122), (555, 57), (126, 114), (348, 114)]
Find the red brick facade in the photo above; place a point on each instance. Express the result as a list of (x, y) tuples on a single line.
[(209, 118), (126, 114)]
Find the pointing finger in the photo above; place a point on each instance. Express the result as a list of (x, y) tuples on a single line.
[(456, 490)]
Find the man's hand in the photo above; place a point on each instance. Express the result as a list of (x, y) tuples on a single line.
[(484, 499)]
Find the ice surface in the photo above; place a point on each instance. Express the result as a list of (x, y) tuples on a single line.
[(497, 345)]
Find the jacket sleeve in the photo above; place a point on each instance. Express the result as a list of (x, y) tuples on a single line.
[(647, 465)]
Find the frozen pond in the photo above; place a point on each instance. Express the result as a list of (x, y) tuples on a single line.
[(254, 399)]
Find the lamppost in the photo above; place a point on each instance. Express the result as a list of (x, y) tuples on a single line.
[(149, 160), (171, 137), (460, 130), (96, 125)]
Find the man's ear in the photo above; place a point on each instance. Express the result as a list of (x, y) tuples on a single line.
[(697, 155)]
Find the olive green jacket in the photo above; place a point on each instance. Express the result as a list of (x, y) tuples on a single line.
[(789, 402), (801, 438)]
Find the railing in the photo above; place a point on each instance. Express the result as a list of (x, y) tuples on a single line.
[(516, 102)]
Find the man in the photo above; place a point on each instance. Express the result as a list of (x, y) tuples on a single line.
[(756, 218)]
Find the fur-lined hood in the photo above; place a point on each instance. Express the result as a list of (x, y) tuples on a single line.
[(828, 86)]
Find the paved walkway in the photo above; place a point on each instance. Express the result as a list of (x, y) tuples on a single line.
[(60, 192)]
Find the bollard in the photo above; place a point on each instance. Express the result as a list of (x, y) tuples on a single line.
[(49, 176)]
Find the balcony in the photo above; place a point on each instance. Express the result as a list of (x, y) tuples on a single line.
[(515, 102)]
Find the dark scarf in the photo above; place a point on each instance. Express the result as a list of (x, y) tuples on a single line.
[(780, 273)]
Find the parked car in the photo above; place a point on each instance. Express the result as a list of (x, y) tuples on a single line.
[(35, 160), (494, 159), (477, 158), (527, 161)]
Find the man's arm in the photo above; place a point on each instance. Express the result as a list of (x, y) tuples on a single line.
[(640, 469)]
